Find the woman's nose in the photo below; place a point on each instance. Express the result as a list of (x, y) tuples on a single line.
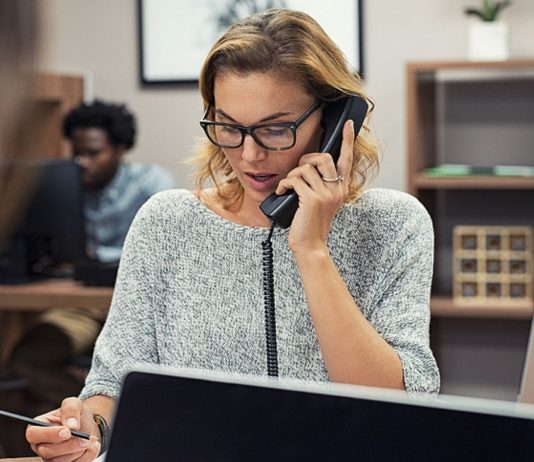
[(252, 151)]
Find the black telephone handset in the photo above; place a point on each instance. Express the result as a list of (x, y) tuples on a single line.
[(281, 209)]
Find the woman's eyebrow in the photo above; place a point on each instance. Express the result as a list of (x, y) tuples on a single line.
[(276, 115)]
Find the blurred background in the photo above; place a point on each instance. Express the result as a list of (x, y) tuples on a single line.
[(446, 113), (99, 39)]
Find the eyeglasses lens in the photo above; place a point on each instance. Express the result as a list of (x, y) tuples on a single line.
[(270, 136)]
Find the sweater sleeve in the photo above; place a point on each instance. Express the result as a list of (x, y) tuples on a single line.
[(128, 336), (401, 313)]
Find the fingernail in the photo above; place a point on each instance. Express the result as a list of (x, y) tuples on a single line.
[(72, 423), (85, 443), (64, 433), (351, 125)]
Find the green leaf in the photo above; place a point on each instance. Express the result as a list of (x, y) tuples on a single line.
[(489, 10), (473, 12)]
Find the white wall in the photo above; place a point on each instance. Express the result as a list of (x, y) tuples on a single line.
[(100, 37)]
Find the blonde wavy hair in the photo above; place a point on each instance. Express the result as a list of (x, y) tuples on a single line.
[(292, 46)]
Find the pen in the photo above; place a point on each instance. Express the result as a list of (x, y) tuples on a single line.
[(38, 423)]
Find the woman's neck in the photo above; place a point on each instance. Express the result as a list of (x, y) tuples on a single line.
[(243, 211)]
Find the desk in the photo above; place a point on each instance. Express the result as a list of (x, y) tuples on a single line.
[(22, 459), (17, 299), (60, 293)]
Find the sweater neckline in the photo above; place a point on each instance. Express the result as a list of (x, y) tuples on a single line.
[(216, 219)]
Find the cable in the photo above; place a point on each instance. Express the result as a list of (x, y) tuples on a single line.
[(268, 297)]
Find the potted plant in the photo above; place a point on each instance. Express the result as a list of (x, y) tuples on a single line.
[(488, 37)]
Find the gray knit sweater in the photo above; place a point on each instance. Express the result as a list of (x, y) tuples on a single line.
[(189, 291)]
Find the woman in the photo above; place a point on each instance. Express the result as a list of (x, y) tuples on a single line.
[(352, 274)]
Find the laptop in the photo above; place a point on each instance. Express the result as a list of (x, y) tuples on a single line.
[(196, 416)]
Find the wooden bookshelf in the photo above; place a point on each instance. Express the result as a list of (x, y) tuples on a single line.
[(456, 107), (53, 96), (432, 66), (446, 307), (424, 181), (480, 115), (423, 121)]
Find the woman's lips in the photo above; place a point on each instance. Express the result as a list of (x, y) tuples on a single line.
[(261, 181)]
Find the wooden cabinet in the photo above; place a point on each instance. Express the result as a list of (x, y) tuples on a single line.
[(54, 96), (479, 114)]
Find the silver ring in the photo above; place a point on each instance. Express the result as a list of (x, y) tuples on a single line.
[(337, 179)]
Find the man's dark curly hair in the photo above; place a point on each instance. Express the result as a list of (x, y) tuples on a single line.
[(115, 119)]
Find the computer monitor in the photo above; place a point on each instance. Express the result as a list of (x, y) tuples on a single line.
[(207, 416), (49, 233)]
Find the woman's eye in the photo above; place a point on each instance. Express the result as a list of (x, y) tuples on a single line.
[(274, 131), (229, 130)]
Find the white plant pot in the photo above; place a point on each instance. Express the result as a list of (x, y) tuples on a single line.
[(489, 41)]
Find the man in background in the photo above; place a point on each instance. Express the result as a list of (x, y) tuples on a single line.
[(101, 134)]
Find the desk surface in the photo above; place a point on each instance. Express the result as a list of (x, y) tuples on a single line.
[(23, 459), (59, 293), (16, 300)]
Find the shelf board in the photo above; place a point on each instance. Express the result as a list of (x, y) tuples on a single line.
[(424, 181), (446, 307), (484, 75), (431, 66)]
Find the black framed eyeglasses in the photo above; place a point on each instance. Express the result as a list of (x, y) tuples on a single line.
[(272, 136)]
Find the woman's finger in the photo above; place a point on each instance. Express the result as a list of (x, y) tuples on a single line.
[(72, 410), (323, 162), (344, 164), (90, 454), (295, 183), (310, 174), (69, 450), (39, 435), (72, 457)]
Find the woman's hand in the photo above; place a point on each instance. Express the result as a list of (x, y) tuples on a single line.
[(56, 444), (318, 200)]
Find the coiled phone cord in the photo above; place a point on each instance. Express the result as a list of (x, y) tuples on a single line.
[(268, 297)]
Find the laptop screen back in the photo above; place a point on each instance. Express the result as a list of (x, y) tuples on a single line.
[(180, 418)]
